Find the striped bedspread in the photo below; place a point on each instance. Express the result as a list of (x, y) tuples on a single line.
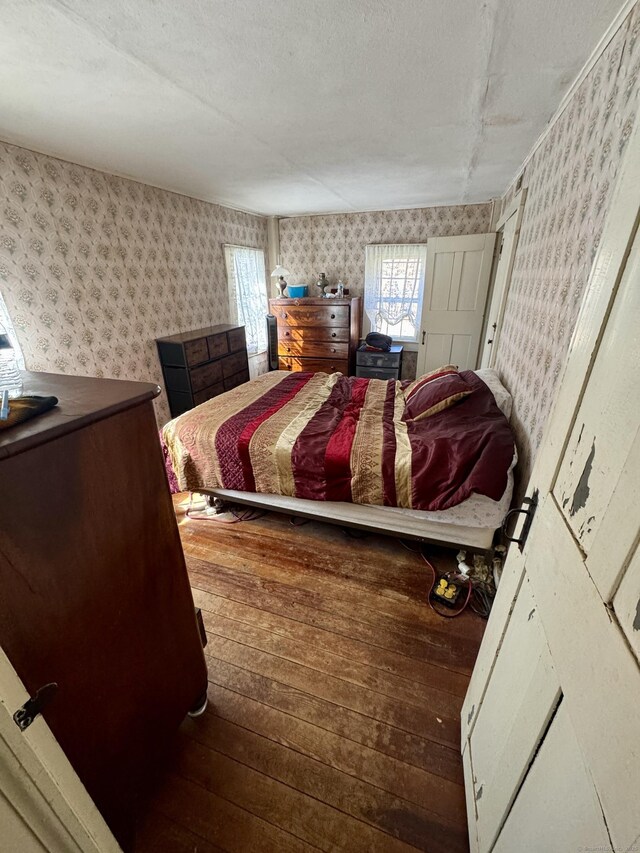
[(331, 437)]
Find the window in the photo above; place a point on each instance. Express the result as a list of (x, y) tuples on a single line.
[(248, 294), (393, 288), (7, 325)]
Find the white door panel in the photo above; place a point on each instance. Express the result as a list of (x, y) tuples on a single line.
[(597, 670), (510, 725), (544, 818), (448, 349), (456, 284), (605, 434), (627, 604)]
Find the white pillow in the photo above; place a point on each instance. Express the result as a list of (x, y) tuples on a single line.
[(501, 395)]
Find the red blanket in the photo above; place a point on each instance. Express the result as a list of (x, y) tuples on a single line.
[(341, 438)]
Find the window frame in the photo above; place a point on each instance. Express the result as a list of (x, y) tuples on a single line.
[(373, 263), (237, 306)]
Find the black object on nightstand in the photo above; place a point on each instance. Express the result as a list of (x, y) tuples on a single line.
[(379, 365)]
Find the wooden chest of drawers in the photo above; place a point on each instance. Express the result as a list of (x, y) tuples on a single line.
[(201, 364), (317, 334)]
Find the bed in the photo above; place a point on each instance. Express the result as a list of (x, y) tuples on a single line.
[(343, 449)]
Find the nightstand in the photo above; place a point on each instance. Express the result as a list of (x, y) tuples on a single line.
[(379, 365)]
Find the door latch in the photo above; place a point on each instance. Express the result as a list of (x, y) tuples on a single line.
[(27, 713), (528, 509)]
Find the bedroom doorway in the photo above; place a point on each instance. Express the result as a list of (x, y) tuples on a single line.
[(456, 285), (508, 229)]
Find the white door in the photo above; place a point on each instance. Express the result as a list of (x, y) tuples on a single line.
[(455, 295), (43, 804), (508, 229), (550, 725)]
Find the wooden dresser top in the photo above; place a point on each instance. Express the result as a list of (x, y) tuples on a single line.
[(185, 337), (82, 401), (312, 300)]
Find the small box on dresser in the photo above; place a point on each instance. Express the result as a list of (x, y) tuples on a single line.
[(201, 364), (316, 334)]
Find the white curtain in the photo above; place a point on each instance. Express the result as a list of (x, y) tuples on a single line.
[(7, 325), (248, 301), (394, 287)]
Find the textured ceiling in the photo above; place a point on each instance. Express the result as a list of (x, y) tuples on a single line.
[(294, 106)]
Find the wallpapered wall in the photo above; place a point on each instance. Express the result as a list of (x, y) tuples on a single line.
[(94, 267), (334, 244), (570, 180)]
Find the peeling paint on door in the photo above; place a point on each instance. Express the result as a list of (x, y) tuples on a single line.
[(581, 493)]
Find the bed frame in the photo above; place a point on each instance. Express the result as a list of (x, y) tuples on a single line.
[(378, 519)]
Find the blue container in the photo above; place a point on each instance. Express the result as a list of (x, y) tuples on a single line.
[(295, 291)]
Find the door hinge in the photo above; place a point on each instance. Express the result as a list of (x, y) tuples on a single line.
[(26, 714), (528, 509)]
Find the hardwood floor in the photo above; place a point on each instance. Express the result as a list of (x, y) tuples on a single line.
[(334, 698)]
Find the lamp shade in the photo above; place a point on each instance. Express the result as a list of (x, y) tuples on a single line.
[(279, 271)]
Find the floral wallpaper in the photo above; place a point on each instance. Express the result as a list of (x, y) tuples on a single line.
[(334, 244), (94, 267), (570, 180)]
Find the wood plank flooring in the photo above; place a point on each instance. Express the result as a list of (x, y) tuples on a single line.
[(334, 698)]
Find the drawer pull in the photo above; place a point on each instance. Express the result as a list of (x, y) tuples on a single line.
[(284, 315), (333, 349), (333, 316), (333, 334)]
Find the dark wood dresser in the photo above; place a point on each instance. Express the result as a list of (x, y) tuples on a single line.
[(316, 334), (201, 364), (95, 593)]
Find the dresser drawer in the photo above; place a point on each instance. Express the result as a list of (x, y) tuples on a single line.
[(311, 349), (234, 364), (207, 393), (366, 358), (377, 372), (313, 315), (314, 365), (335, 334), (237, 339), (176, 379), (208, 374), (218, 345), (236, 379), (196, 351)]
